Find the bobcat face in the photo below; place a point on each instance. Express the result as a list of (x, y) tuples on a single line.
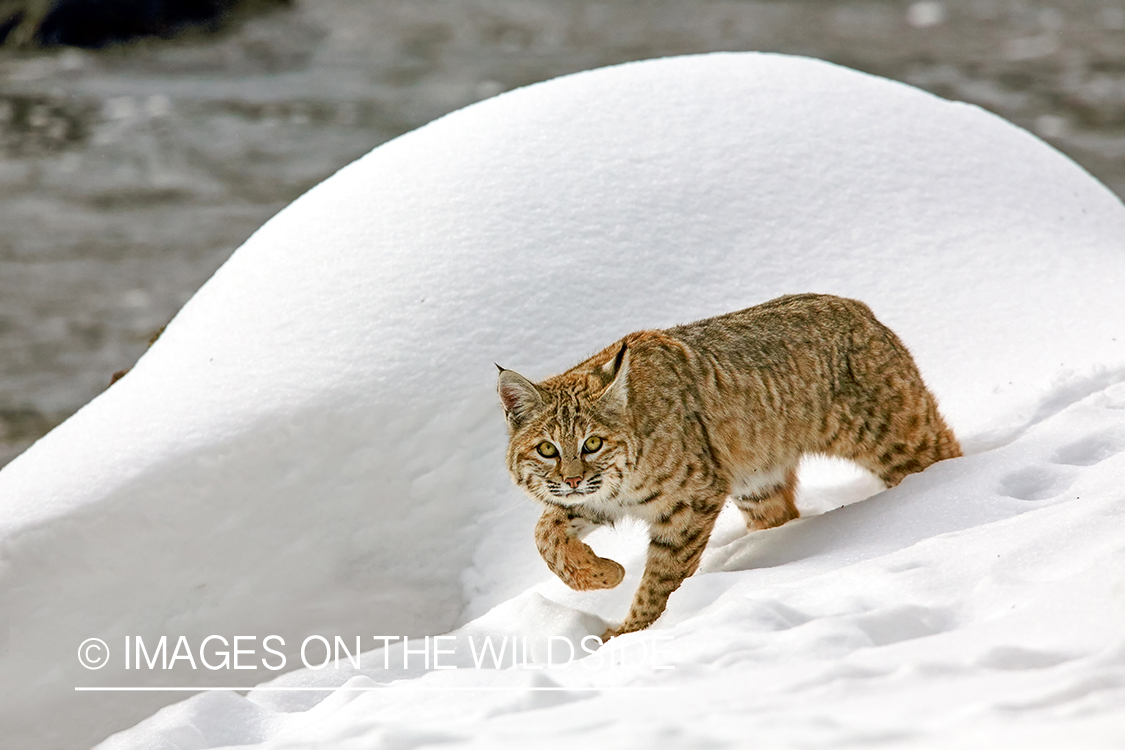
[(568, 463), (565, 444)]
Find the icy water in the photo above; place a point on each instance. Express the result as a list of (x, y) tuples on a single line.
[(129, 175)]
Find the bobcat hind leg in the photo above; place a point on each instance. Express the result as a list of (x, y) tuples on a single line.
[(912, 442), (771, 507)]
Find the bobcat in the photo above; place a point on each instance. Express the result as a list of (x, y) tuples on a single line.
[(664, 426)]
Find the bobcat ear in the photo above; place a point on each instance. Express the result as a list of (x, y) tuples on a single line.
[(616, 395), (519, 396)]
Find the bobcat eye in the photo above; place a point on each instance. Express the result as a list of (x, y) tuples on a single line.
[(546, 450), (592, 445)]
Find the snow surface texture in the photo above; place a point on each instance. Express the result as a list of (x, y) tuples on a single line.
[(314, 445)]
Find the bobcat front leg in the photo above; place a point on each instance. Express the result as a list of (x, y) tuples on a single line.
[(676, 542), (572, 560)]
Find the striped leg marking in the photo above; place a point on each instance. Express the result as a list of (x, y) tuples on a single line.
[(772, 507)]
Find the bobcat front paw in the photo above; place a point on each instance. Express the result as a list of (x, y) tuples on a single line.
[(628, 626), (595, 573)]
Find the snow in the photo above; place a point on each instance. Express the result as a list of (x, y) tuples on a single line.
[(314, 447)]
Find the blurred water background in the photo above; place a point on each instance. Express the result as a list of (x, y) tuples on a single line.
[(129, 172)]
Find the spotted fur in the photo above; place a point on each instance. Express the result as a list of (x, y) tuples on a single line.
[(684, 418)]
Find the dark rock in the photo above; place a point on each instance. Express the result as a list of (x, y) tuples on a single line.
[(97, 23)]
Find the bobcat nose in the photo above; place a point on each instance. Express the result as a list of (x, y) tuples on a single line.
[(573, 482)]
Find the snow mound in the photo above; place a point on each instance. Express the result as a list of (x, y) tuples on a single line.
[(314, 445), (975, 605)]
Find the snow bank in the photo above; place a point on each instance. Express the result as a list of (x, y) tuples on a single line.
[(976, 605), (314, 447)]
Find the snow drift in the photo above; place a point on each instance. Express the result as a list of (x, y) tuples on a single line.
[(313, 446)]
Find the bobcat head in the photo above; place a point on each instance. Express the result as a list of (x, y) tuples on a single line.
[(568, 440)]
